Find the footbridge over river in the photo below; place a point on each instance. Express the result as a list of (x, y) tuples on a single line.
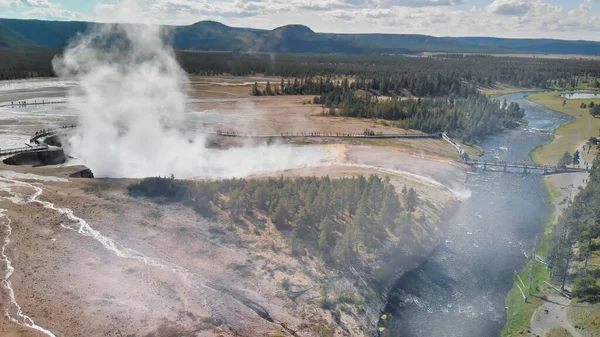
[(508, 167)]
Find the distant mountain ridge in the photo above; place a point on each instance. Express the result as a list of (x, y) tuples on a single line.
[(215, 36)]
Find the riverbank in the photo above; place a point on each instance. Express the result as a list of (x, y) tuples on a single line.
[(568, 137), (527, 316), (502, 90)]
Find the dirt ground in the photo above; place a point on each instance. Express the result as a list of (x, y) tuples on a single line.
[(80, 257), (102, 263)]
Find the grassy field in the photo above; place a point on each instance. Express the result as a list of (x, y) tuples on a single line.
[(501, 91), (585, 315), (519, 311), (568, 137), (559, 332)]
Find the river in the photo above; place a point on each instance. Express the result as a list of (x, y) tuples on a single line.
[(460, 290)]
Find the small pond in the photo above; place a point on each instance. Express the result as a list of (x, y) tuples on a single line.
[(581, 95)]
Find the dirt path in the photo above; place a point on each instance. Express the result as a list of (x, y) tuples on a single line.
[(552, 314)]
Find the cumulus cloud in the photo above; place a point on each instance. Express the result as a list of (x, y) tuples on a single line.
[(11, 3), (420, 3), (53, 13), (41, 9), (510, 7), (41, 3)]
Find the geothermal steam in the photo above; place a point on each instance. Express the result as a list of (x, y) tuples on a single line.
[(131, 101)]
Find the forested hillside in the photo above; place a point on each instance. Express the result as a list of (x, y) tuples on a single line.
[(215, 36), (26, 63), (342, 220), (576, 244)]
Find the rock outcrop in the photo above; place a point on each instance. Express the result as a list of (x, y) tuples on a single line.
[(53, 156), (53, 141), (86, 173)]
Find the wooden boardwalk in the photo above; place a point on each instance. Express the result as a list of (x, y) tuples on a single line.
[(524, 168), (496, 166), (8, 152), (330, 135), (26, 104), (49, 132)]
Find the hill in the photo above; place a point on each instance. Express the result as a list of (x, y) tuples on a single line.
[(545, 46), (215, 36), (301, 39), (412, 42), (211, 35)]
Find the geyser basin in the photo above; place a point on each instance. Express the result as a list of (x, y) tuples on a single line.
[(199, 162)]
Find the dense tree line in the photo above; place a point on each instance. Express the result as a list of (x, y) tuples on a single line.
[(576, 238), (26, 63), (338, 218), (390, 71), (470, 119), (473, 69), (397, 85)]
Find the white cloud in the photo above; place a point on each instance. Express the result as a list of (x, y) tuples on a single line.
[(420, 3), (45, 9), (11, 3), (510, 7), (53, 13), (41, 3)]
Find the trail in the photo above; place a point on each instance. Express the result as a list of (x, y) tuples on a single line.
[(21, 318), (411, 176)]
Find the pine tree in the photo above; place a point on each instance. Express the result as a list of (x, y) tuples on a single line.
[(326, 227), (260, 197), (412, 200), (304, 219), (255, 90), (576, 157), (293, 241), (268, 89), (391, 206), (281, 214), (344, 249), (566, 160)]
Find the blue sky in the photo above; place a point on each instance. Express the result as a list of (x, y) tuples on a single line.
[(565, 19)]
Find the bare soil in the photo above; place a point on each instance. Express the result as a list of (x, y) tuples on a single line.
[(123, 266)]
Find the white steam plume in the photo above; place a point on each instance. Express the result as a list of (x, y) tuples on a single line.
[(131, 101)]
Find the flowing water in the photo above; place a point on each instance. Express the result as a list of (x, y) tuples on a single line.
[(460, 290)]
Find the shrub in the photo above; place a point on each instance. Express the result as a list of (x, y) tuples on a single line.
[(285, 284)]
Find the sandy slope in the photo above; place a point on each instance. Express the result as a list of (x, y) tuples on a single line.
[(163, 270)]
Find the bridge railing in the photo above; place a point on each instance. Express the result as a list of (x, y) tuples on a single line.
[(25, 103), (325, 135), (5, 152), (48, 132), (525, 166)]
